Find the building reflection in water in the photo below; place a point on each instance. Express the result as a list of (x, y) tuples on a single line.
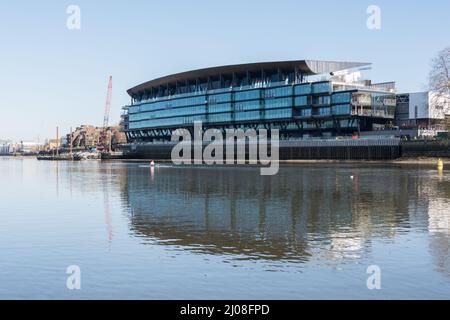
[(303, 213), (439, 228)]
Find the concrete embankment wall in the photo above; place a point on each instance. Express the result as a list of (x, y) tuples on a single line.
[(370, 149)]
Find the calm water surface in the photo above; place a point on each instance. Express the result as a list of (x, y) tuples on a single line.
[(222, 233)]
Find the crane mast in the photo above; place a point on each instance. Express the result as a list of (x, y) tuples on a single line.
[(104, 143), (108, 104)]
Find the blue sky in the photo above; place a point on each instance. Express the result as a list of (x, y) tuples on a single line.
[(52, 76)]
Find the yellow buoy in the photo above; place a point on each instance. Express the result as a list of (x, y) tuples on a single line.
[(440, 164)]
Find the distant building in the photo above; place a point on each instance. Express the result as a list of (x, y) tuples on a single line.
[(422, 110), (84, 136), (6, 147), (53, 144), (87, 136), (29, 147)]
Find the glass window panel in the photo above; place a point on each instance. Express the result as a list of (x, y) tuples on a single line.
[(278, 92), (278, 103), (321, 87), (219, 117), (303, 89), (343, 97), (222, 107), (217, 98), (305, 112), (321, 100), (301, 101), (247, 115), (247, 95), (341, 109), (247, 105), (278, 114)]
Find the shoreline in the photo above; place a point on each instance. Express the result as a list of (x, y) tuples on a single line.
[(400, 161)]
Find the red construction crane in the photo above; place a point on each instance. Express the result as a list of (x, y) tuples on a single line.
[(108, 104), (104, 143)]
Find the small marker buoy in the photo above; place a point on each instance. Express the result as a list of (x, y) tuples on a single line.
[(152, 163), (440, 164), (351, 177)]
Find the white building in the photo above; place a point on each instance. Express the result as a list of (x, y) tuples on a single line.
[(29, 147), (426, 110)]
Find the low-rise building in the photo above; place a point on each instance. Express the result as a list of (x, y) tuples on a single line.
[(29, 147), (53, 144), (6, 147), (423, 110)]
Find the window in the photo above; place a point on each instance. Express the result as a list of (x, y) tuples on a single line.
[(278, 92), (154, 123), (305, 113), (247, 95), (220, 117), (341, 109), (321, 87), (343, 97), (321, 100), (248, 115), (172, 103), (247, 105), (322, 112), (303, 89), (222, 107), (224, 97), (194, 110), (301, 101), (278, 103), (278, 114)]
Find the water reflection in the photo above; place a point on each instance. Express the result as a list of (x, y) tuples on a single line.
[(180, 232), (304, 213)]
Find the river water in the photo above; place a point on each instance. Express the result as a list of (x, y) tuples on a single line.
[(137, 232)]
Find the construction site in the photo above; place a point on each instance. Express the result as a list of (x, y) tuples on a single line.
[(87, 141)]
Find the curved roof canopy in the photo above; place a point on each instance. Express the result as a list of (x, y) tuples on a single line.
[(305, 67)]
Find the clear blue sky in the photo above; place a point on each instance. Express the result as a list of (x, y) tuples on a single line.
[(52, 76)]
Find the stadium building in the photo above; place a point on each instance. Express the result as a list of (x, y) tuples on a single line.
[(304, 99)]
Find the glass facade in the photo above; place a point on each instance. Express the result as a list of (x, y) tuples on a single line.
[(283, 103), (249, 105)]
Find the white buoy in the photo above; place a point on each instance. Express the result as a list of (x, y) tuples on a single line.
[(152, 164), (351, 177)]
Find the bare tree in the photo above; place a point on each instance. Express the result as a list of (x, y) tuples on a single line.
[(440, 84), (440, 72)]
